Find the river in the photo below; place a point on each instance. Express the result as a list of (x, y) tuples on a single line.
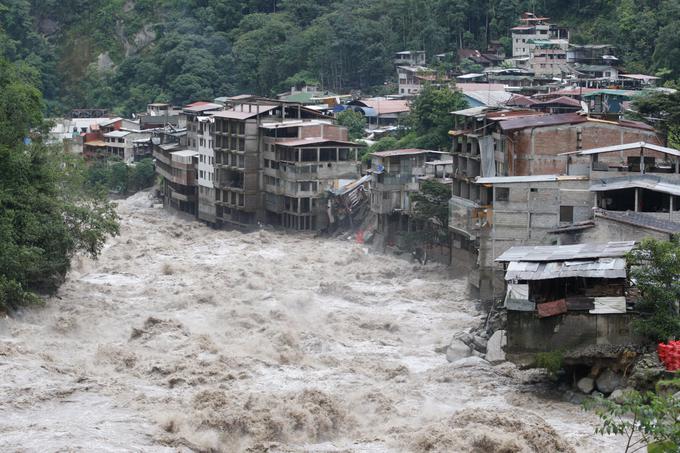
[(185, 338)]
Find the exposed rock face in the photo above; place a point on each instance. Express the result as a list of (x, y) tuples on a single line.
[(608, 381), (495, 345), (586, 384), (104, 62)]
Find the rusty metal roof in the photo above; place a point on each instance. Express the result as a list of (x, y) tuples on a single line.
[(596, 268), (316, 141), (541, 121), (567, 252)]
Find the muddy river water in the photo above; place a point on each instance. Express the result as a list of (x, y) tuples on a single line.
[(184, 338)]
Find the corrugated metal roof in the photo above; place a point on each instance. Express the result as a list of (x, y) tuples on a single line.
[(525, 179), (598, 268), (405, 152), (245, 111), (117, 134), (640, 219), (201, 106), (567, 252), (624, 147), (474, 111), (542, 121), (562, 100), (643, 182), (386, 106), (490, 98)]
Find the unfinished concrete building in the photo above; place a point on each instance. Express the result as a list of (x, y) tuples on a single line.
[(301, 162), (273, 163), (396, 175), (176, 165)]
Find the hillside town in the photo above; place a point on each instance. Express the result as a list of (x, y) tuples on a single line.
[(542, 193)]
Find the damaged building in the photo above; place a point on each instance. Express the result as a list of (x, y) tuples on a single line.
[(396, 175), (567, 297)]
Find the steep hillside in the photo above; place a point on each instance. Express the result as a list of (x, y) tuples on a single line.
[(121, 54)]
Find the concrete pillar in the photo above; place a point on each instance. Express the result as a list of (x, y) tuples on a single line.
[(670, 207), (637, 199)]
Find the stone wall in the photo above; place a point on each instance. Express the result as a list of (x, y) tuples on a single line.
[(529, 334)]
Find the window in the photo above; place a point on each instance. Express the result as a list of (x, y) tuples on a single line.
[(566, 214), (502, 193)]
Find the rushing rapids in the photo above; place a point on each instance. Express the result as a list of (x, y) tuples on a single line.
[(184, 338)]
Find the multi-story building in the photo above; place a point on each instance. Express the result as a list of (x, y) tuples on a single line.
[(536, 29), (206, 169), (509, 168), (121, 143), (197, 118), (396, 175), (275, 161), (410, 79), (177, 167), (548, 59), (302, 161), (410, 58)]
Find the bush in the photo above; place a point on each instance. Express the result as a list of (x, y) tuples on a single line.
[(551, 361)]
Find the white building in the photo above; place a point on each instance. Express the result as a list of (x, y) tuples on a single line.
[(206, 168)]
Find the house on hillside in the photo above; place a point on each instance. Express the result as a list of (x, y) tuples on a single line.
[(381, 112)]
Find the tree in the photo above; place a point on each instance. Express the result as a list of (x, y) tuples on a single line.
[(430, 208), (430, 114), (654, 267), (354, 122), (646, 420), (663, 111), (142, 175), (46, 215)]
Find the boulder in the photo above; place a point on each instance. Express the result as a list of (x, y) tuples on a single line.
[(676, 397), (586, 384), (457, 350), (479, 343), (469, 362), (617, 396), (495, 345), (608, 381)]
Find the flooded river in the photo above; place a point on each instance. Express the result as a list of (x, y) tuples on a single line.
[(184, 338)]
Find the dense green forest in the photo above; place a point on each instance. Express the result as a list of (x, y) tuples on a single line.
[(121, 54), (48, 212)]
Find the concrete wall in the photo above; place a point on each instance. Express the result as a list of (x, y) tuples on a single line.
[(528, 333), (533, 209), (610, 230)]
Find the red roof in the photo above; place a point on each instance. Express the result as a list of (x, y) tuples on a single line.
[(386, 106), (562, 100), (520, 101)]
